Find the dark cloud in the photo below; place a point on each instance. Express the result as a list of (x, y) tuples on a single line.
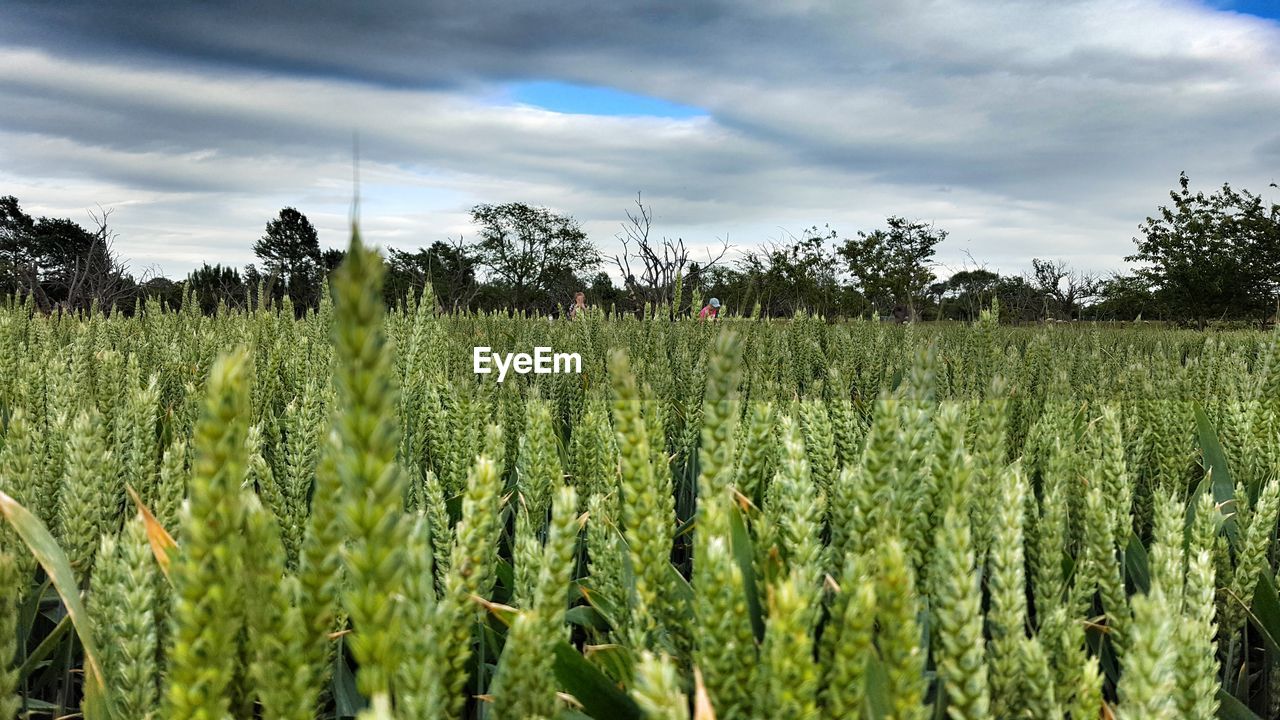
[(404, 43)]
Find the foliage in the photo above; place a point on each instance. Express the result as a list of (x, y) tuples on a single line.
[(290, 253), (532, 251), (785, 277), (1126, 297), (449, 269), (967, 291), (216, 285), (59, 263), (1212, 257), (892, 267)]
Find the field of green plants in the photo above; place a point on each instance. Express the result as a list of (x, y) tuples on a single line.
[(250, 515)]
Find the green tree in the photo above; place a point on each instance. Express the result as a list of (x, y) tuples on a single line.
[(331, 258), (1214, 256), (1019, 299), (892, 267), (16, 231), (210, 285), (162, 290), (1124, 297), (734, 285), (290, 251), (604, 294), (61, 263), (795, 275), (969, 292), (254, 285), (561, 285), (528, 250), (450, 268), (63, 251)]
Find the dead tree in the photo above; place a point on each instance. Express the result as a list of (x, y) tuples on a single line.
[(649, 267), (99, 277), (28, 283), (1063, 287)]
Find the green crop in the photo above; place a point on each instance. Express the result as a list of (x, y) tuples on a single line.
[(336, 518)]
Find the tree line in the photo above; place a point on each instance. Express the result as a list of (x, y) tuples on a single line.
[(1202, 257)]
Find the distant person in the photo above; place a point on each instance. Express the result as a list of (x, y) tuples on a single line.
[(712, 310), (578, 307)]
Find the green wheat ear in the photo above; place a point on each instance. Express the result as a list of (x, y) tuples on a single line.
[(122, 602), (960, 653), (11, 589), (657, 689), (647, 507), (282, 678), (1196, 665), (1007, 615), (88, 503), (441, 673), (720, 411), (788, 678), (1146, 690), (899, 633), (207, 614), (524, 684), (373, 486), (320, 563), (848, 640)]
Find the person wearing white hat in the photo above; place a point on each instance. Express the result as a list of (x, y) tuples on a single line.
[(712, 310)]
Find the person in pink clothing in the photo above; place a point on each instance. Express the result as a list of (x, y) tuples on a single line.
[(712, 310)]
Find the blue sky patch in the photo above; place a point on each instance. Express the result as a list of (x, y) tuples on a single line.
[(1269, 9), (590, 100)]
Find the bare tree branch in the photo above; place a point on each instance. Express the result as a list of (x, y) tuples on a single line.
[(649, 267)]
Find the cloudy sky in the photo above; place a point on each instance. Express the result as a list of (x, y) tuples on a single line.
[(1026, 128)]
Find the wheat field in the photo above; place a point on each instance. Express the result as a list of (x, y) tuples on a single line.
[(249, 515)]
